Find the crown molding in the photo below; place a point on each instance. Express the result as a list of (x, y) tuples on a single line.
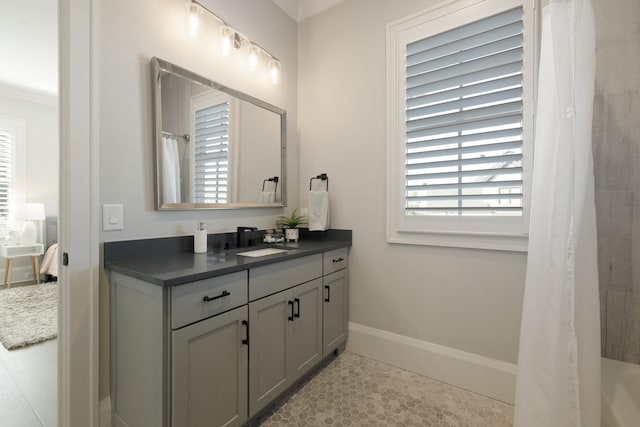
[(300, 10), (29, 95)]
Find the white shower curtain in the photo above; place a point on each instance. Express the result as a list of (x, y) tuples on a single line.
[(170, 170), (558, 382)]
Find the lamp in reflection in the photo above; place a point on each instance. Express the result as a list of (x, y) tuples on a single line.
[(29, 212)]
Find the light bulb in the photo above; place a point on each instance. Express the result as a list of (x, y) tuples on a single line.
[(193, 22), (227, 34), (274, 71), (253, 57)]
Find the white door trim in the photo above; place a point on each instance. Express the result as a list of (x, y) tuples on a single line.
[(78, 349)]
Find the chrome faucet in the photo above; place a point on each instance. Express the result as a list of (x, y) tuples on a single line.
[(240, 240)]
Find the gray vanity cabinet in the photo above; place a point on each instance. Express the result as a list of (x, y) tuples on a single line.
[(215, 352), (268, 351), (335, 306), (306, 328), (335, 298), (177, 353), (210, 385), (138, 340), (285, 327)]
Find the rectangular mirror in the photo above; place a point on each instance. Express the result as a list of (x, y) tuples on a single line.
[(215, 147)]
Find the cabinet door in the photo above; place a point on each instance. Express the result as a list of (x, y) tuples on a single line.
[(305, 349), (269, 320), (209, 371), (335, 310)]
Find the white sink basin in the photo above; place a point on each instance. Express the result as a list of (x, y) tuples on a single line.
[(262, 252)]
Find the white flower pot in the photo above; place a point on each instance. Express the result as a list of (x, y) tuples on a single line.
[(291, 234)]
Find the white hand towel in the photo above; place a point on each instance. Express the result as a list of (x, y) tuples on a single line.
[(318, 210), (268, 197)]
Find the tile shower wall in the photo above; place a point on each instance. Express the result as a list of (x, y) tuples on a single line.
[(616, 149)]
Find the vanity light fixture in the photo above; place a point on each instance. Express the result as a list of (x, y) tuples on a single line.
[(232, 39), (227, 34), (253, 57), (193, 22), (274, 71)]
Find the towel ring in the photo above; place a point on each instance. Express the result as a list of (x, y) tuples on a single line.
[(274, 179), (321, 177)]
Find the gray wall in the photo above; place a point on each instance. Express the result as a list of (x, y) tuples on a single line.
[(469, 300), (40, 113), (466, 299), (130, 34), (616, 147)]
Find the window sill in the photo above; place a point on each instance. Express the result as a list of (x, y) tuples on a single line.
[(488, 241)]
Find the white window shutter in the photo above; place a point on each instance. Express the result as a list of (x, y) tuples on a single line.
[(464, 120), (212, 154), (6, 173)]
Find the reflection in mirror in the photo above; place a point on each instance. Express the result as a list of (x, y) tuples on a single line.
[(215, 147)]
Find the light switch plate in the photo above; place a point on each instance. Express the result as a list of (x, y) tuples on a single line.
[(112, 217)]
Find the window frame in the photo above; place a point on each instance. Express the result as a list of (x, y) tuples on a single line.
[(497, 232), (18, 128)]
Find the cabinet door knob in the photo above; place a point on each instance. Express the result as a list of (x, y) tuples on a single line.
[(297, 301), (245, 324), (328, 298), (207, 298), (290, 318)]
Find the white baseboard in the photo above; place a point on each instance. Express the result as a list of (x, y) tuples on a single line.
[(480, 374), (105, 412)]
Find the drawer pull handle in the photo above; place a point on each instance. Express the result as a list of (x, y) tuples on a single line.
[(338, 260), (245, 324), (207, 298), (328, 298), (290, 318), (297, 313)]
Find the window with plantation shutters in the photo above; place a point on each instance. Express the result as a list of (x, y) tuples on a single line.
[(7, 138), (212, 153), (461, 124), (464, 120)]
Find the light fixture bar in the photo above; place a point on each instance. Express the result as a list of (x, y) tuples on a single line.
[(233, 29)]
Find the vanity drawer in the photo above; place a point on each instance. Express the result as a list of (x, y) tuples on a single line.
[(223, 293), (335, 260), (277, 277)]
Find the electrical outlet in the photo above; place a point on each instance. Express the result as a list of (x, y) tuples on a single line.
[(28, 275)]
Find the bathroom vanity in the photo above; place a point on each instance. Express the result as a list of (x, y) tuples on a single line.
[(212, 339)]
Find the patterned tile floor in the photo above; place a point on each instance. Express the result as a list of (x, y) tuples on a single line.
[(353, 390)]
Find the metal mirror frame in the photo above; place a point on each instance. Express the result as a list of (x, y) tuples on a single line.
[(158, 66)]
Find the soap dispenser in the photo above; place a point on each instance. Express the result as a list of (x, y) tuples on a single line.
[(200, 239)]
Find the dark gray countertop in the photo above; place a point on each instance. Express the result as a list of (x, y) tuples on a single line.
[(181, 268)]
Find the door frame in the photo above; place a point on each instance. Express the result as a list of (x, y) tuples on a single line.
[(78, 345)]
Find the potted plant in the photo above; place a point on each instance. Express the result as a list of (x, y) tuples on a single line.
[(290, 224)]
